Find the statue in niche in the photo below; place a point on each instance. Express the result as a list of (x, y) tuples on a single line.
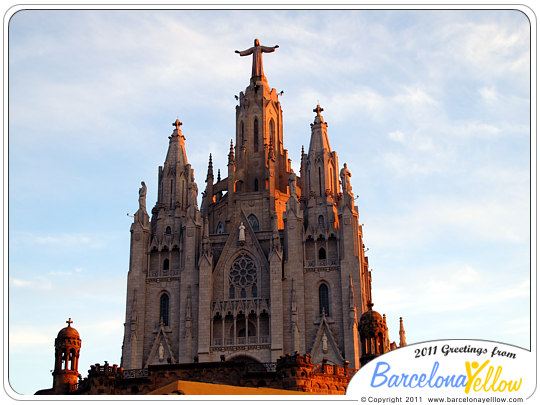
[(161, 352), (324, 343), (241, 232)]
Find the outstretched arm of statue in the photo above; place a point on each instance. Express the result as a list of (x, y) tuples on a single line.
[(246, 52), (269, 48)]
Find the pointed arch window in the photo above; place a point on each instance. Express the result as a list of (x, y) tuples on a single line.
[(324, 302), (242, 139), (320, 182), (166, 264), (254, 222), (220, 228), (256, 185), (322, 254), (168, 230), (272, 132), (164, 309), (256, 135)]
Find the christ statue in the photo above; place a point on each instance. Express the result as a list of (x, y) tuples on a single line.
[(257, 51)]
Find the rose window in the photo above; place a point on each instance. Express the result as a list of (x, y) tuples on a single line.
[(243, 274)]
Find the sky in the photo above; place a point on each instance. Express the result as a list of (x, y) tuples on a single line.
[(430, 109)]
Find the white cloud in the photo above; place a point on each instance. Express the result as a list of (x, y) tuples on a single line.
[(36, 284), (68, 240), (489, 94), (397, 136)]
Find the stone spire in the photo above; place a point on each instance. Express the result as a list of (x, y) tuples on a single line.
[(319, 136), (210, 173), (176, 155), (231, 153), (402, 341)]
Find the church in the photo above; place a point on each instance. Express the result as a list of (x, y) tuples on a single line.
[(271, 266)]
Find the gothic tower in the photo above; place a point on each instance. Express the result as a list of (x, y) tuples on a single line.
[(272, 264)]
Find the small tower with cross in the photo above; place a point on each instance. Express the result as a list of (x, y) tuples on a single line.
[(67, 348)]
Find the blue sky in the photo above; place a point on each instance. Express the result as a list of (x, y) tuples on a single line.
[(429, 109)]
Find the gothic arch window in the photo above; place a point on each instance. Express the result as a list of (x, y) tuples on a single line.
[(256, 135), (324, 301), (332, 178), (166, 264), (242, 277), (254, 222), (322, 254), (220, 228), (320, 182), (242, 132), (168, 230), (256, 185), (272, 131), (164, 309)]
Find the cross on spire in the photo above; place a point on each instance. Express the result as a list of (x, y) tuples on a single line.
[(318, 109), (69, 322), (177, 124)]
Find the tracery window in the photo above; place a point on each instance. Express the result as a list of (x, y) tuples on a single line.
[(220, 228), (254, 222), (243, 277)]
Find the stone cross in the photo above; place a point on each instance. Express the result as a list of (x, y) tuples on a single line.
[(318, 110), (257, 50), (177, 124)]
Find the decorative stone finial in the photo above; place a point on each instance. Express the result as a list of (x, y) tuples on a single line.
[(177, 124)]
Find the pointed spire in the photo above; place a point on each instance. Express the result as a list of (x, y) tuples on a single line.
[(176, 155), (319, 137), (218, 175), (231, 153), (210, 173), (402, 340)]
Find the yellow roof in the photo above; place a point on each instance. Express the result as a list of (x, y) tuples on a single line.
[(181, 387)]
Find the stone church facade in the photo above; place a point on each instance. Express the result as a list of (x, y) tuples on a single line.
[(272, 263)]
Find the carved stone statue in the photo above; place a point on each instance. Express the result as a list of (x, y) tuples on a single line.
[(345, 176), (292, 185), (241, 233), (142, 196), (193, 191), (161, 352), (324, 343), (257, 51)]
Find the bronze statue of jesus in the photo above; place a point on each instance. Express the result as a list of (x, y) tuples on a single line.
[(257, 51)]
